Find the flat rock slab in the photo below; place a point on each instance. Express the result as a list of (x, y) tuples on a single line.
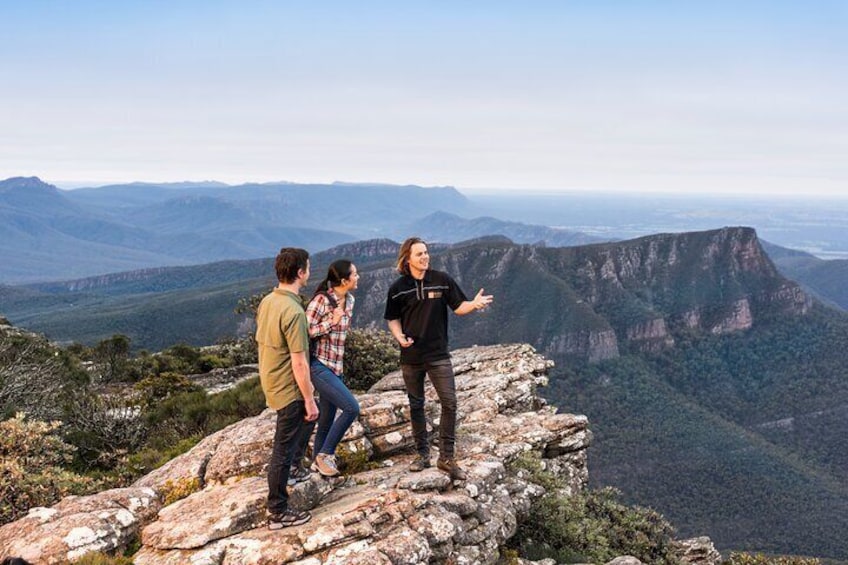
[(107, 521)]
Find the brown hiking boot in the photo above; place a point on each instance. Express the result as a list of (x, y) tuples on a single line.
[(450, 467), (420, 463)]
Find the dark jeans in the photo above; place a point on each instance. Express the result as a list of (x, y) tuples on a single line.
[(302, 442), (334, 396), (289, 424), (441, 375)]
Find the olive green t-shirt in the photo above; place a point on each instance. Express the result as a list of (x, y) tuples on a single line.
[(281, 330)]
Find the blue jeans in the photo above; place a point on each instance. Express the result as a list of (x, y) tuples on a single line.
[(334, 396)]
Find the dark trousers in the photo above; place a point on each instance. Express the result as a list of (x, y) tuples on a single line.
[(289, 429), (301, 442), (441, 375)]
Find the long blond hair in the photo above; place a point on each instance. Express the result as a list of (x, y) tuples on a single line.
[(404, 252)]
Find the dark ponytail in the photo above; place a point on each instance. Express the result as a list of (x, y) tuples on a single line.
[(338, 271)]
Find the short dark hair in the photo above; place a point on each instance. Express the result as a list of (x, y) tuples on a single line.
[(402, 264), (289, 261)]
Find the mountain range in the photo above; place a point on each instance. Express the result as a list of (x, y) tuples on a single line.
[(50, 234)]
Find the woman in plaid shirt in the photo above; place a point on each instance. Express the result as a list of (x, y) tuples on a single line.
[(329, 314)]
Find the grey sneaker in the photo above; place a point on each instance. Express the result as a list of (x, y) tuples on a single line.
[(297, 474), (451, 468), (287, 519), (326, 465), (420, 463)]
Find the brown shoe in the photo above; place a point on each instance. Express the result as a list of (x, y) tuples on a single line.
[(420, 463), (326, 465), (450, 467)]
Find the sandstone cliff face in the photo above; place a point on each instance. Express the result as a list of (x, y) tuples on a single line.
[(594, 346), (597, 301), (370, 249)]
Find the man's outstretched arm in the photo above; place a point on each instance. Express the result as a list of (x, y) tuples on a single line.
[(480, 301)]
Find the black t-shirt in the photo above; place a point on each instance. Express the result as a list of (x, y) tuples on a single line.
[(422, 308)]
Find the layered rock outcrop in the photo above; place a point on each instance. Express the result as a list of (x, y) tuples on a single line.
[(380, 514), (595, 302)]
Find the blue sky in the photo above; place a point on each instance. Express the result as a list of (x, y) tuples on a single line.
[(745, 97)]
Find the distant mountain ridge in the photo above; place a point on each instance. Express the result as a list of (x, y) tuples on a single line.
[(50, 234), (826, 279), (450, 228)]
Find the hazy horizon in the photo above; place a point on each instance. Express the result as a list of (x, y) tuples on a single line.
[(488, 191), (603, 96)]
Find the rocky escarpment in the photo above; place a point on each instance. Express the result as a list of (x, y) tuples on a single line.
[(716, 282), (598, 301), (380, 515)]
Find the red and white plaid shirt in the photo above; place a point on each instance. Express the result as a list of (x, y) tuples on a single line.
[(329, 348)]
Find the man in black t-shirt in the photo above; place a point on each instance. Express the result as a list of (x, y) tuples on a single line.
[(417, 313)]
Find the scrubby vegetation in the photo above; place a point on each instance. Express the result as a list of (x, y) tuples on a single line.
[(740, 558), (589, 527), (34, 375), (369, 356), (34, 467)]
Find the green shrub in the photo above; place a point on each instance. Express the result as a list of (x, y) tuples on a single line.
[(369, 356), (239, 351), (112, 355), (592, 526), (105, 428), (154, 388), (97, 558), (173, 491), (206, 363), (149, 458), (32, 473), (35, 376), (760, 559), (199, 414)]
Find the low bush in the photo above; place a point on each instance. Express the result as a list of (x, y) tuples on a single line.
[(742, 558), (150, 458), (104, 428), (32, 473), (369, 356), (591, 526), (199, 414), (154, 388), (97, 558), (173, 491)]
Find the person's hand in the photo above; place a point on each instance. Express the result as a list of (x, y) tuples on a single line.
[(482, 301), (405, 341), (311, 411), (337, 315)]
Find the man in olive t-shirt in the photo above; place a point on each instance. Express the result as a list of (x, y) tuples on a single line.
[(283, 342)]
